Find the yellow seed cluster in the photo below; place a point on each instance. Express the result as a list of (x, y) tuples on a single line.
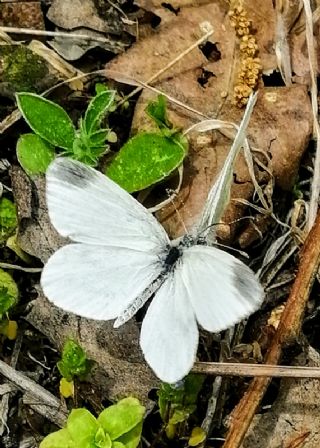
[(239, 20), (250, 65)]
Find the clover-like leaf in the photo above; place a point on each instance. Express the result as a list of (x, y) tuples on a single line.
[(34, 154), (47, 119), (122, 417), (146, 159)]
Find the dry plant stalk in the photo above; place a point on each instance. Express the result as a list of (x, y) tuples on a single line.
[(315, 185), (287, 332)]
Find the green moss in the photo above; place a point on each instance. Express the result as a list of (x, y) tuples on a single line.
[(23, 70)]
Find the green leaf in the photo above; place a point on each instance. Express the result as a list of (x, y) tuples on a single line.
[(34, 154), (198, 435), (97, 109), (47, 119), (181, 414), (8, 219), (102, 440), (84, 152), (192, 386), (176, 403), (98, 138), (58, 439), (157, 110), (117, 444), (122, 417), (100, 87), (9, 292), (145, 160), (132, 438), (82, 427)]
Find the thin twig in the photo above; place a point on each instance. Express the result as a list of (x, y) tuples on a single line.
[(42, 401), (10, 29), (288, 331), (19, 268)]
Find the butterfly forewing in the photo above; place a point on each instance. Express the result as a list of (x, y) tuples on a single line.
[(119, 244), (88, 207)]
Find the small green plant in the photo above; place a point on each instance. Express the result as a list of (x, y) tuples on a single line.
[(74, 362), (118, 426), (148, 158), (54, 128), (177, 403)]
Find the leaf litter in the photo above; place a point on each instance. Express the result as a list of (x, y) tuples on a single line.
[(279, 134)]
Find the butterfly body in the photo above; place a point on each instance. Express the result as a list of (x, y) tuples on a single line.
[(120, 256)]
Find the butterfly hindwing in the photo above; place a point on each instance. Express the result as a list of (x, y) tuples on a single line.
[(221, 289), (169, 332), (97, 282)]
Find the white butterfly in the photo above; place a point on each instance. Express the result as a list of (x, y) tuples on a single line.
[(121, 255)]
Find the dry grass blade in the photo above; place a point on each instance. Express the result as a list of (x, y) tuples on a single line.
[(315, 186), (255, 370), (218, 197), (282, 48)]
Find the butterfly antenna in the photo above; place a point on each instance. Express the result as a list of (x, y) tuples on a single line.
[(172, 194)]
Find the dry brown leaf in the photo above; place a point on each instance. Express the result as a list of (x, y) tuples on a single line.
[(280, 126), (293, 415)]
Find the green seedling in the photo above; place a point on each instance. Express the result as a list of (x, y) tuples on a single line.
[(118, 426), (147, 158), (177, 403), (74, 362), (54, 128)]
